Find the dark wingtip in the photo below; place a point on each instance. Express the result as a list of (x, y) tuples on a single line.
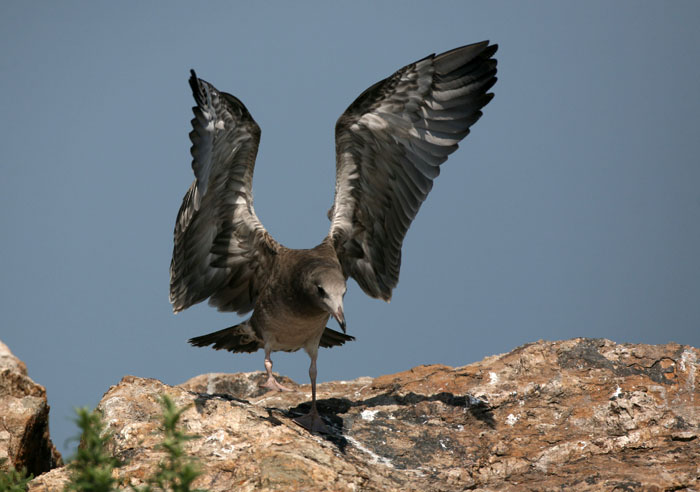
[(194, 83), (198, 342), (490, 51)]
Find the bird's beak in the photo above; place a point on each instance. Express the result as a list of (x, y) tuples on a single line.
[(340, 318)]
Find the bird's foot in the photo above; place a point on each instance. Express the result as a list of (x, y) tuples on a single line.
[(312, 422), (272, 384)]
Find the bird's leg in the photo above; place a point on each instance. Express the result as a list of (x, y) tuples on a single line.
[(271, 382), (312, 421)]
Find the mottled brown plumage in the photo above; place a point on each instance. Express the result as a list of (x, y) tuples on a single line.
[(390, 143)]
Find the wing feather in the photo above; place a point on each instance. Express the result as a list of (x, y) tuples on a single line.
[(390, 143), (221, 250)]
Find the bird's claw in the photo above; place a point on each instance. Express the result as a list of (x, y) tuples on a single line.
[(312, 422), (272, 384)]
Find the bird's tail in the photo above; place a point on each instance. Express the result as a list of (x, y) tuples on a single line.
[(238, 338), (331, 338)]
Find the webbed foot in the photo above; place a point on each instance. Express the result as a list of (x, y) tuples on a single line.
[(312, 422), (272, 384)]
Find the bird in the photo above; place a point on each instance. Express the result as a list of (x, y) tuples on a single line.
[(390, 143)]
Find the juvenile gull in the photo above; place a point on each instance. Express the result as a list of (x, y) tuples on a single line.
[(390, 143)]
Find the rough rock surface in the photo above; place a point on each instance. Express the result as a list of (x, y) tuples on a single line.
[(24, 419), (579, 414)]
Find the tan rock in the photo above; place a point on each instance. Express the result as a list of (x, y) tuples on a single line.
[(24, 419), (579, 414)]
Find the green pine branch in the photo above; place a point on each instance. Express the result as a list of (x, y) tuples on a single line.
[(92, 466), (177, 472), (12, 480)]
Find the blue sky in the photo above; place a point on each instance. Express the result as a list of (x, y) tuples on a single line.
[(572, 209)]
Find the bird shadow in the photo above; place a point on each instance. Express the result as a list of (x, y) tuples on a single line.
[(327, 410), (331, 409), (201, 399)]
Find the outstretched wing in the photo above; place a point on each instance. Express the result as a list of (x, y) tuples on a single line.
[(390, 143), (221, 250)]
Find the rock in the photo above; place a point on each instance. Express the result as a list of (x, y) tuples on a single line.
[(240, 385), (24, 419), (579, 414)]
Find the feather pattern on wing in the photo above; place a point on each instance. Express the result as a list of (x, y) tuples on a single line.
[(390, 143), (221, 250)]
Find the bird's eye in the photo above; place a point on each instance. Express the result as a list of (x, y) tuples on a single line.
[(321, 292)]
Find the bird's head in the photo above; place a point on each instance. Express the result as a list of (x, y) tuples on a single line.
[(327, 288)]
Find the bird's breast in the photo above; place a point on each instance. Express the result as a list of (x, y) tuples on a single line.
[(290, 333)]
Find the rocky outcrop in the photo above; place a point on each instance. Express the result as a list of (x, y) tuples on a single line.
[(24, 419), (580, 414)]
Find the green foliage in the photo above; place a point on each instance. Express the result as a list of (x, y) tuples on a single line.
[(12, 480), (91, 467), (177, 472)]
